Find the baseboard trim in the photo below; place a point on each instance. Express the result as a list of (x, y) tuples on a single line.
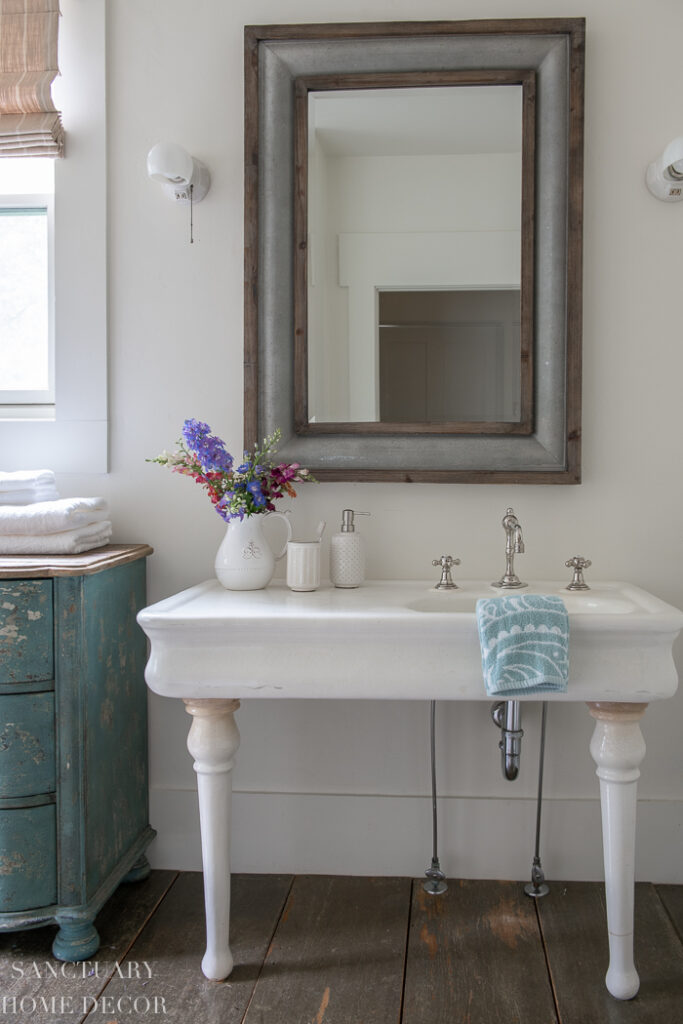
[(374, 835)]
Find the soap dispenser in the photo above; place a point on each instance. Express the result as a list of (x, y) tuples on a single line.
[(347, 553)]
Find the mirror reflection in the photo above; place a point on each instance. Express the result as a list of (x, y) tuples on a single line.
[(414, 215), (449, 356)]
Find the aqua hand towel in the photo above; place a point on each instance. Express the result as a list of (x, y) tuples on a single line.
[(524, 644)]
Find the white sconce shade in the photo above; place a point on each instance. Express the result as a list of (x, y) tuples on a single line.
[(182, 177), (665, 176)]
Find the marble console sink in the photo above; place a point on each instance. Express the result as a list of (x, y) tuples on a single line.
[(403, 640)]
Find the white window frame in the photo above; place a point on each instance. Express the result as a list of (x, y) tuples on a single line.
[(40, 403), (74, 439)]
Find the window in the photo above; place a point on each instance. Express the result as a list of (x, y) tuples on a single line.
[(68, 433), (27, 287)]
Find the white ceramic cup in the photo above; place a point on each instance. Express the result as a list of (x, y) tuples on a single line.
[(303, 564)]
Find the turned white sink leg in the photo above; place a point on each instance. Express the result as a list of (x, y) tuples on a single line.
[(618, 747), (213, 741)]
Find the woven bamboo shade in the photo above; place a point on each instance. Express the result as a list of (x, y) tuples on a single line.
[(29, 124)]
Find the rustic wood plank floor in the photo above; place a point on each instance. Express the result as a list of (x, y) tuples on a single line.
[(341, 950)]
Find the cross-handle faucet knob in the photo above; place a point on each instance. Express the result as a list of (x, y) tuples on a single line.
[(446, 581), (578, 564)]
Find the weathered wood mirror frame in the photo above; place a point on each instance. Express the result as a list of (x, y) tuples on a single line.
[(276, 57)]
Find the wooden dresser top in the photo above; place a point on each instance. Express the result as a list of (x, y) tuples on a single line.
[(37, 566)]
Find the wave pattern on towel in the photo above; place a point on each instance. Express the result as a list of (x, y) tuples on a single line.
[(524, 644)]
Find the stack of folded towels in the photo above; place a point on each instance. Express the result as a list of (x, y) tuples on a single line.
[(27, 486), (34, 520)]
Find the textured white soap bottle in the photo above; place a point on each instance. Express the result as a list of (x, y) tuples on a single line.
[(347, 553)]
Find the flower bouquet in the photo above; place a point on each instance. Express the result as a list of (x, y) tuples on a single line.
[(241, 495)]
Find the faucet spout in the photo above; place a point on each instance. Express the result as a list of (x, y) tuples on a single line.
[(514, 545)]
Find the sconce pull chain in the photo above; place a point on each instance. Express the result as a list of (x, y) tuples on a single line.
[(191, 216)]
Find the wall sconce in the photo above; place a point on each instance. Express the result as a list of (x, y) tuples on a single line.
[(183, 178), (665, 176)]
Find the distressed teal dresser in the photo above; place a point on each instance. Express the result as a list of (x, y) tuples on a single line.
[(73, 739)]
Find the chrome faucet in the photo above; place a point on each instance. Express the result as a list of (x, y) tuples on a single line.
[(514, 545)]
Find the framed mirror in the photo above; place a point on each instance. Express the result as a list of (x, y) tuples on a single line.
[(413, 248)]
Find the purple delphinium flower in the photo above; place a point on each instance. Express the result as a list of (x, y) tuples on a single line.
[(254, 488), (209, 450)]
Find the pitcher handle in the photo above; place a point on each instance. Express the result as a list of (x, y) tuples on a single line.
[(289, 534)]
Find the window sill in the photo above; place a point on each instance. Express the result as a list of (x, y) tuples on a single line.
[(26, 413)]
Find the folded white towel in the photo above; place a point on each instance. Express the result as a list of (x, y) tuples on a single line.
[(29, 496), (70, 542), (25, 479), (51, 516)]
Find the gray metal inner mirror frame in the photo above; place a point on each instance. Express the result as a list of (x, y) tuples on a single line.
[(275, 56)]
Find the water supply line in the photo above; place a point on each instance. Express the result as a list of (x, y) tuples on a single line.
[(436, 879), (537, 886)]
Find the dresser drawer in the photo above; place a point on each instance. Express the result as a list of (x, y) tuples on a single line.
[(28, 858), (27, 744), (26, 631)]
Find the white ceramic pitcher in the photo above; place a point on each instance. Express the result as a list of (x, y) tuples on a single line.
[(245, 560)]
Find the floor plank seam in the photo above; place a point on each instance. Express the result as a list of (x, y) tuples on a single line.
[(411, 891), (546, 955), (119, 960), (672, 919), (268, 947)]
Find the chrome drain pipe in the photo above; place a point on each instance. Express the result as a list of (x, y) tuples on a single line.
[(507, 714)]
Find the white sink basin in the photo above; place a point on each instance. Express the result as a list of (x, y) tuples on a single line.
[(395, 640)]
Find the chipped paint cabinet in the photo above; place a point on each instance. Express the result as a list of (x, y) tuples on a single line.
[(73, 739)]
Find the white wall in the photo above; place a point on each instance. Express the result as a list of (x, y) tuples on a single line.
[(345, 788)]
